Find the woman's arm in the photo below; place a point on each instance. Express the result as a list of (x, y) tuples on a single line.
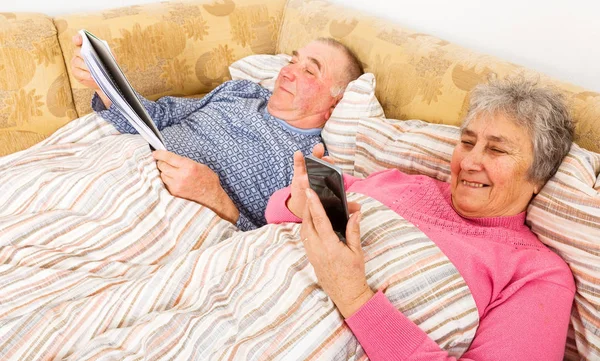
[(530, 325)]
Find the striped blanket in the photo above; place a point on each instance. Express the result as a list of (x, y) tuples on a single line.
[(99, 261)]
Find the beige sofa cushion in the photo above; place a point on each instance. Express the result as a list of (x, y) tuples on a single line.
[(35, 96), (176, 48), (418, 76)]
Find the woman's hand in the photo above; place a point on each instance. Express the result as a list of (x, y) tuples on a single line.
[(300, 180), (340, 268)]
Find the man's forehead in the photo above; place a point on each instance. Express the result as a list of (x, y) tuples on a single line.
[(321, 52)]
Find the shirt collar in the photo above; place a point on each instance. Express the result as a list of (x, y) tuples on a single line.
[(291, 128)]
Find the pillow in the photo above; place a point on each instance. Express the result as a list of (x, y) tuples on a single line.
[(565, 215), (340, 130)]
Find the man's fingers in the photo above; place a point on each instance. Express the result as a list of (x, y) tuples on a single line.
[(167, 181), (77, 40), (81, 75), (166, 168), (168, 157), (318, 150), (78, 62)]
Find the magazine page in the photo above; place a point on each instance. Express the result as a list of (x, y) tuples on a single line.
[(109, 77)]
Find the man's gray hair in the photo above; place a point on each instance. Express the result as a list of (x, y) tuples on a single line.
[(353, 69), (541, 110)]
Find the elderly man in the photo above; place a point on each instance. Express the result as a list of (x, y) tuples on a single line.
[(233, 148)]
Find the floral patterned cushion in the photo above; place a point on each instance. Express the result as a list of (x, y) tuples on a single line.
[(35, 96), (176, 48)]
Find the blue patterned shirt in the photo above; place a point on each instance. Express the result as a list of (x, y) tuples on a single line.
[(231, 131)]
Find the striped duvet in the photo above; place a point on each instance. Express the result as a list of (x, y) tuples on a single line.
[(99, 262)]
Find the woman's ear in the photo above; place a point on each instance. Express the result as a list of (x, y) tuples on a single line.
[(537, 188)]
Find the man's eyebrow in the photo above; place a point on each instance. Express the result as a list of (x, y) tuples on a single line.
[(313, 60), (316, 62)]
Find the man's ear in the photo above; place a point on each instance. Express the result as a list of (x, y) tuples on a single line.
[(332, 107)]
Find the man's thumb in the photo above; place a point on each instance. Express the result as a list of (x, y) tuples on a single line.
[(353, 231)]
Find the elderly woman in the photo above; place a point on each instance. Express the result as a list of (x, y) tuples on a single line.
[(512, 141)]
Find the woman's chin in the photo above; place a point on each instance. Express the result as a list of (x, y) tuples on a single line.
[(468, 209)]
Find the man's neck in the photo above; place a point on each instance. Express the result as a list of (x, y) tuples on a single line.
[(310, 121)]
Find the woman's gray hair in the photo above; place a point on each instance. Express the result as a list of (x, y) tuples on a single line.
[(541, 110)]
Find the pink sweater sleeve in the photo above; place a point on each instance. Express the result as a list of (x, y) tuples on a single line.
[(277, 212), (532, 325)]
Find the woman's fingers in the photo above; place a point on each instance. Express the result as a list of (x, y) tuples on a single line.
[(307, 231), (353, 207), (318, 150), (328, 159), (353, 232), (318, 216), (299, 166)]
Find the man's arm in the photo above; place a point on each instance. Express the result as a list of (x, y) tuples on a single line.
[(190, 180), (164, 112)]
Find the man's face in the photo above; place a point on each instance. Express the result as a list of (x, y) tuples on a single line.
[(302, 94)]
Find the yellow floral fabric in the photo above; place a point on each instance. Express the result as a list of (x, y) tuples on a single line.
[(35, 96), (420, 76), (176, 48)]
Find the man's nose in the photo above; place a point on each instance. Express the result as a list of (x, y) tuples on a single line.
[(288, 72), (472, 161)]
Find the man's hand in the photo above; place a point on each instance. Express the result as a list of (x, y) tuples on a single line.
[(185, 178), (340, 268), (82, 74)]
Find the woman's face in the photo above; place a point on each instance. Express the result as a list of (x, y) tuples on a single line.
[(489, 168)]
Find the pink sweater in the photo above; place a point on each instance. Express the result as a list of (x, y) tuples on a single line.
[(522, 290)]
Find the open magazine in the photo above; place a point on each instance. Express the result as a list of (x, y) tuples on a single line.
[(107, 74)]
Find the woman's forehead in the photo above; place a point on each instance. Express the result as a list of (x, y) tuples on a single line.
[(498, 128)]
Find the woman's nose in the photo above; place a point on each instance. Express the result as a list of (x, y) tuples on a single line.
[(472, 161)]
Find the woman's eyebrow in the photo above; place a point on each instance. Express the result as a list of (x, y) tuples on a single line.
[(500, 139), (491, 138)]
